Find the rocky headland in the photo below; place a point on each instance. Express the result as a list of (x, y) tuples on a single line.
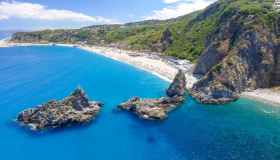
[(241, 54), (158, 108), (72, 110)]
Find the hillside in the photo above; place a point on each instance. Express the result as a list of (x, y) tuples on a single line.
[(233, 42), (241, 54), (156, 36), (183, 37)]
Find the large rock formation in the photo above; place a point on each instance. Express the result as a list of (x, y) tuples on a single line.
[(166, 39), (177, 87), (151, 109), (241, 54), (157, 109), (74, 109)]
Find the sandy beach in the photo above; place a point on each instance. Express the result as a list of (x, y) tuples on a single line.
[(4, 43), (271, 96), (156, 66), (164, 68), (161, 67)]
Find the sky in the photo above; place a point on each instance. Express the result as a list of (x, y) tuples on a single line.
[(53, 14)]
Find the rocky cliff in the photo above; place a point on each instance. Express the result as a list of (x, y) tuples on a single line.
[(241, 54)]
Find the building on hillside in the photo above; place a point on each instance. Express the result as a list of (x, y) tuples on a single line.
[(276, 5)]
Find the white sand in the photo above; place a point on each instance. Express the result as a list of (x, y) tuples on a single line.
[(167, 72), (4, 43), (270, 96), (155, 66), (158, 67)]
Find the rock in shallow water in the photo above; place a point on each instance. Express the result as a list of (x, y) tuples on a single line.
[(151, 109), (214, 96), (178, 86), (74, 109), (158, 108)]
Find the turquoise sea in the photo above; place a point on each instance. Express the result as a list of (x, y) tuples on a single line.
[(244, 130)]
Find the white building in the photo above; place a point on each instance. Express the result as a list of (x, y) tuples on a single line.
[(276, 5)]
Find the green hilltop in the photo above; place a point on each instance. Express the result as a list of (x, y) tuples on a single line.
[(183, 37)]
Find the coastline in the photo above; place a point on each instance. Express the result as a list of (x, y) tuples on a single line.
[(4, 43), (154, 64), (162, 67), (157, 65), (270, 96), (161, 70)]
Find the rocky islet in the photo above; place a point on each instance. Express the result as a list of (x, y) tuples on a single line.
[(77, 109), (72, 110), (158, 108)]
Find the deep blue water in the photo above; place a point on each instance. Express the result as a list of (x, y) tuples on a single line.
[(244, 130)]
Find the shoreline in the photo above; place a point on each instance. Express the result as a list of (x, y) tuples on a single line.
[(269, 96), (138, 62), (154, 64), (163, 67), (159, 66)]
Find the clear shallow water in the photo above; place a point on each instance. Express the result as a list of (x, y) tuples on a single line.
[(33, 75)]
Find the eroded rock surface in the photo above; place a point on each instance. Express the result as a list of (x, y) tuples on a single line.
[(158, 108), (72, 110), (241, 54), (178, 86)]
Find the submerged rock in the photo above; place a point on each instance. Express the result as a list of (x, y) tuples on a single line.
[(74, 109), (158, 108)]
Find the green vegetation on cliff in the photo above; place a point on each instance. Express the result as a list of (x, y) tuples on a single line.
[(241, 53), (184, 37)]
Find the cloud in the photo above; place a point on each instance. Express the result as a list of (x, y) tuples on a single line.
[(171, 1), (24, 10), (179, 9), (2, 17)]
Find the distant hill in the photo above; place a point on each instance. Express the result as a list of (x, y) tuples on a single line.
[(6, 33), (154, 35), (183, 37)]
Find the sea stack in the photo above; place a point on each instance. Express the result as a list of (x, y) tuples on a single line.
[(158, 108), (72, 110), (178, 87)]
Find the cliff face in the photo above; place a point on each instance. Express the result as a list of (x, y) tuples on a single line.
[(241, 54)]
